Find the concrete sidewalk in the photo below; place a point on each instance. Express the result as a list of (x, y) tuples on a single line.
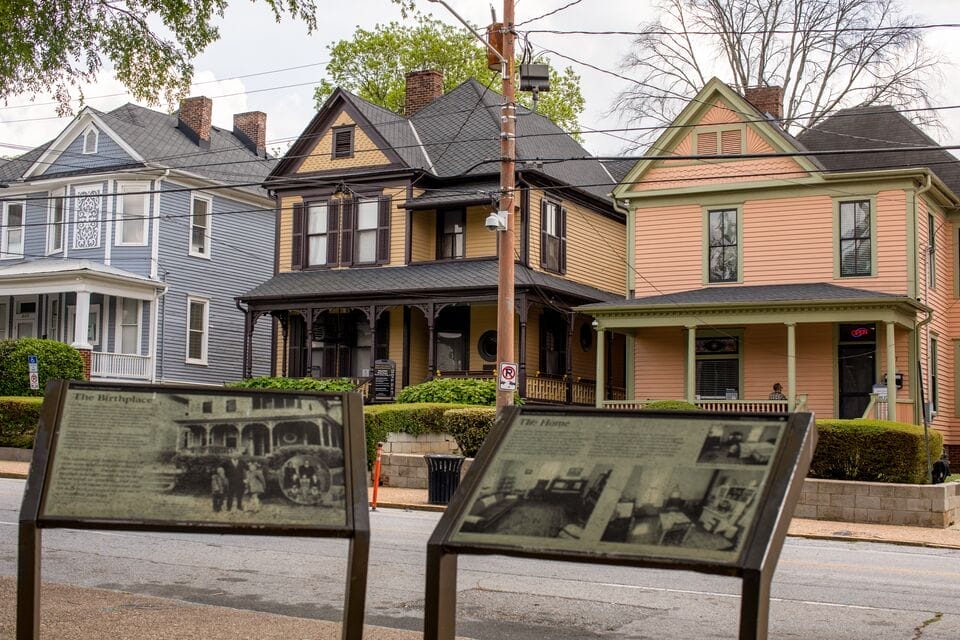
[(76, 613)]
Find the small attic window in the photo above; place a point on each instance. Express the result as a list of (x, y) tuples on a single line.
[(723, 142), (343, 142), (90, 139)]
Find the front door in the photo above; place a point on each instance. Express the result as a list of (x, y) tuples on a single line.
[(856, 364), (25, 318)]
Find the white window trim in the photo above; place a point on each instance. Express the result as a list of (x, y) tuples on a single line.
[(96, 140), (206, 330), (118, 342), (209, 233), (4, 320), (56, 196), (132, 186), (5, 253), (71, 324)]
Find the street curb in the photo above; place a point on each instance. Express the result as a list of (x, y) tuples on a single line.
[(408, 507), (13, 474), (901, 543)]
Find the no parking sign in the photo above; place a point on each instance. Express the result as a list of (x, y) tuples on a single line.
[(508, 376)]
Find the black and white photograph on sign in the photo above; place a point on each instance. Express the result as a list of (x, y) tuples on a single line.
[(549, 499), (238, 459), (739, 444), (696, 508)]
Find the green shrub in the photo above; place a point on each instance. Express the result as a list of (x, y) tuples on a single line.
[(873, 451), (469, 427), (415, 419), (18, 421), (671, 405), (335, 385), (54, 360), (458, 390)]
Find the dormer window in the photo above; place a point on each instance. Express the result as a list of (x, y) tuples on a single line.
[(343, 142), (90, 139), (720, 142)]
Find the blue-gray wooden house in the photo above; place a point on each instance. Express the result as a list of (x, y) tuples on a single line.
[(129, 236)]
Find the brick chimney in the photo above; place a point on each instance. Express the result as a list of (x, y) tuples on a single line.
[(251, 129), (766, 100), (423, 87), (194, 119)]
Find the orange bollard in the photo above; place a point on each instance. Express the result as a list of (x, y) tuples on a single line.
[(376, 476)]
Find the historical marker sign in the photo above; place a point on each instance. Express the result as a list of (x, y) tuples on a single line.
[(384, 380), (695, 491)]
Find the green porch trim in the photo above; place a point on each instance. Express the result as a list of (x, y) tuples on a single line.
[(913, 286)]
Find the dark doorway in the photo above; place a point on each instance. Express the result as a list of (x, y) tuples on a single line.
[(452, 329), (856, 364)]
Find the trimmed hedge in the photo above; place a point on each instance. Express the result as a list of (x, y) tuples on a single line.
[(18, 421), (335, 385), (671, 405), (451, 390), (469, 427), (54, 360), (873, 451)]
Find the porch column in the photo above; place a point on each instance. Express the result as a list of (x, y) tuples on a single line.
[(601, 368), (791, 365), (285, 344), (372, 315), (431, 338), (247, 345), (81, 321), (568, 365), (524, 307), (892, 372), (691, 363), (309, 339)]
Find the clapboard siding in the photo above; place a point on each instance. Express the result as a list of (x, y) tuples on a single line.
[(109, 154)]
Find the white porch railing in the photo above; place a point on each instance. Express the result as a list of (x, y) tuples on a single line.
[(740, 406), (121, 366)]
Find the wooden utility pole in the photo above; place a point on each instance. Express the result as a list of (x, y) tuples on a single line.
[(507, 237)]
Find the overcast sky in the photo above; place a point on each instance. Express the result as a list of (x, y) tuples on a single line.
[(252, 43)]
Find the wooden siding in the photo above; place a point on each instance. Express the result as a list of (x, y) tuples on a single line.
[(764, 360), (480, 241), (659, 357), (584, 363), (242, 243), (719, 172), (669, 248), (285, 246), (816, 363), (596, 246), (423, 241), (482, 318), (365, 154), (109, 154), (398, 225), (418, 347)]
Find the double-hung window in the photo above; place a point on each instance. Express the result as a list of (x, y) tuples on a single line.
[(450, 234), (55, 220), (341, 232), (200, 223), (13, 228), (93, 324), (197, 330), (931, 251), (723, 239), (856, 238), (132, 206), (129, 313), (934, 374), (553, 237)]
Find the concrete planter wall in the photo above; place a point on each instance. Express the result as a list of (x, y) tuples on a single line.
[(402, 464), (924, 505)]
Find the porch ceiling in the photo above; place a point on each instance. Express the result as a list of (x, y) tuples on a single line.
[(761, 304), (54, 275), (435, 279)]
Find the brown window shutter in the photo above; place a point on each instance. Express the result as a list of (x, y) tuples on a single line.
[(543, 233), (343, 143), (731, 142), (296, 238), (333, 225), (383, 230), (707, 143), (562, 232), (346, 231)]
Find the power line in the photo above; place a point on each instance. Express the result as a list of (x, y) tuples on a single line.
[(749, 32), (549, 13)]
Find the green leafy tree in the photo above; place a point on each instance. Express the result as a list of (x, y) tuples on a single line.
[(56, 45), (373, 65)]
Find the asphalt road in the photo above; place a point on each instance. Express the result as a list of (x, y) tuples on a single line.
[(823, 590)]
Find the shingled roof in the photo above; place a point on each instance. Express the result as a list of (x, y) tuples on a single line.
[(156, 138), (878, 127)]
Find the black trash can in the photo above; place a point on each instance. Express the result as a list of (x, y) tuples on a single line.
[(443, 477)]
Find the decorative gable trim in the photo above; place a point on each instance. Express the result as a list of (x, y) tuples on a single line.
[(691, 115), (80, 125)]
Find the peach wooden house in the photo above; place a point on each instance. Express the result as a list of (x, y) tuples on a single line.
[(827, 263)]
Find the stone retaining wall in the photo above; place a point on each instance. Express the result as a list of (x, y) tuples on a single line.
[(838, 500), (924, 505), (402, 464)]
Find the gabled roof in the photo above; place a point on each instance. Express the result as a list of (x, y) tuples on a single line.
[(878, 127), (691, 115), (458, 136), (154, 140)]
